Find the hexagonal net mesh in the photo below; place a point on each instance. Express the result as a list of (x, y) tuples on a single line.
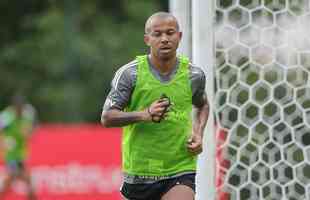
[(262, 99)]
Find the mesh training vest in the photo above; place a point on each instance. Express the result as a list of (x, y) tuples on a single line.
[(159, 149), (15, 140)]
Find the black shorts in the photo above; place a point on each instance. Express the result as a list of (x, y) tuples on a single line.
[(154, 191)]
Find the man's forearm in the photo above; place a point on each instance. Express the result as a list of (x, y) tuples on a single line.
[(200, 118), (117, 118)]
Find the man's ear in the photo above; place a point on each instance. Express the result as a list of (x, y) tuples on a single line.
[(180, 35), (146, 39)]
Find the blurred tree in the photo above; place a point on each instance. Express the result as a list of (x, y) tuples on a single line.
[(114, 7), (63, 54), (164, 4), (15, 18)]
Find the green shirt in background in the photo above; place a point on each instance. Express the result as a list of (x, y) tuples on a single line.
[(159, 149), (14, 131)]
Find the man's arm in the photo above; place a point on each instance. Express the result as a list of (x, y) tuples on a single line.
[(200, 109), (3, 124), (201, 115), (2, 145), (118, 118), (2, 149), (30, 120), (122, 87)]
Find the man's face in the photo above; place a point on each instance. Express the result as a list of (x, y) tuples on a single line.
[(163, 37)]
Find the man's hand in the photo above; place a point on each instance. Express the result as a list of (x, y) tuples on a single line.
[(194, 144), (158, 110)]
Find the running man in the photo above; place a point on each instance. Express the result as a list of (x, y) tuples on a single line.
[(153, 98), (16, 125)]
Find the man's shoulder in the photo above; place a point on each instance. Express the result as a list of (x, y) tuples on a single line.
[(126, 73), (8, 111), (7, 116), (196, 70), (29, 112), (132, 65), (128, 68)]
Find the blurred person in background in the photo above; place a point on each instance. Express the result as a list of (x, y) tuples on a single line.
[(16, 125), (160, 101)]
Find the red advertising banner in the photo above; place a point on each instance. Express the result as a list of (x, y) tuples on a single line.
[(72, 162)]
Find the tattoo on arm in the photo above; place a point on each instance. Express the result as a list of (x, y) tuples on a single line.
[(201, 116), (118, 118)]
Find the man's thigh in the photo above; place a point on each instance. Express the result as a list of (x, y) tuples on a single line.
[(179, 192), (141, 191), (181, 188)]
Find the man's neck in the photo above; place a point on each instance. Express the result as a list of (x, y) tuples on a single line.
[(164, 66)]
